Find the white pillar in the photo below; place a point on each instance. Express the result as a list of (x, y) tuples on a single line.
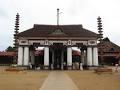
[(32, 57), (89, 56), (95, 56), (46, 56), (26, 55), (69, 56), (20, 56)]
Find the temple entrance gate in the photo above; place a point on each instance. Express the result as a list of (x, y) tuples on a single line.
[(58, 43)]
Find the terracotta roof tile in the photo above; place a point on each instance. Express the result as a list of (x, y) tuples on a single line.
[(47, 30), (109, 46), (7, 53)]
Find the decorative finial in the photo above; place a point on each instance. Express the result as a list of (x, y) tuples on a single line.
[(100, 29), (16, 31), (58, 16)]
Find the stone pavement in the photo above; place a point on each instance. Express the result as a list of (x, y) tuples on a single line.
[(58, 80)]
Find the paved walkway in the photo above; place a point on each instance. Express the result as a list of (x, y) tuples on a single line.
[(58, 80)]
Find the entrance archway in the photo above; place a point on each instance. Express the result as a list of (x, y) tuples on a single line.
[(57, 55)]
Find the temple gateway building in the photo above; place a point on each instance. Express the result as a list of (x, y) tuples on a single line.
[(57, 42)]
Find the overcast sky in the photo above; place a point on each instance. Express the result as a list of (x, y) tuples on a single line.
[(83, 12)]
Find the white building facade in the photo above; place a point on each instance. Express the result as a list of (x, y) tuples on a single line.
[(58, 43)]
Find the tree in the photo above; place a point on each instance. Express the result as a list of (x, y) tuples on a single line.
[(10, 49)]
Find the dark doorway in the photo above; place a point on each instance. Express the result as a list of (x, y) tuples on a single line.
[(57, 55), (57, 59)]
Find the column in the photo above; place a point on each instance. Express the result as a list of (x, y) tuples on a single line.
[(32, 57), (20, 56), (89, 56), (82, 56), (52, 67), (26, 55), (46, 57), (85, 57), (95, 56), (69, 57), (82, 59), (62, 59)]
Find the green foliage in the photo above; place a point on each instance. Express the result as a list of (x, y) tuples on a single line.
[(10, 49)]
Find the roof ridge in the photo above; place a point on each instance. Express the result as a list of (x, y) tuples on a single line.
[(56, 25)]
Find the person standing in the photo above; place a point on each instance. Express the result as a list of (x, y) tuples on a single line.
[(116, 67)]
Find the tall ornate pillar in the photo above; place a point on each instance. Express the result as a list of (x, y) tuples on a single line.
[(20, 56), (89, 56), (26, 56), (46, 57), (69, 57), (95, 56)]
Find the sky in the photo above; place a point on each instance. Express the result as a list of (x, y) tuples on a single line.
[(83, 12)]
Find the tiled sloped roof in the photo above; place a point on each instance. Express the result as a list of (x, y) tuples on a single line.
[(118, 56), (64, 31), (109, 46), (7, 53)]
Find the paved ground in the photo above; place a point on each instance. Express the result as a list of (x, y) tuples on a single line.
[(58, 80)]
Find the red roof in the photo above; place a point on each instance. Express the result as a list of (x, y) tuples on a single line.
[(76, 53), (7, 53), (118, 56), (41, 52)]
